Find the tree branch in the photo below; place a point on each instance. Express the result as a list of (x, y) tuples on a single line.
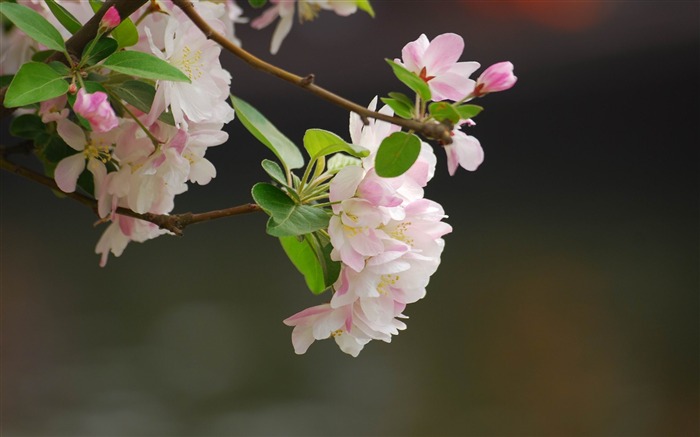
[(434, 130), (175, 223)]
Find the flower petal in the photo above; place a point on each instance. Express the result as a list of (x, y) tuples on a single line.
[(67, 172)]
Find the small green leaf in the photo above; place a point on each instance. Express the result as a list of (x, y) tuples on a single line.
[(64, 17), (469, 111), (411, 80), (339, 161), (401, 97), (261, 128), (274, 170), (34, 82), (144, 65), (365, 6), (319, 142), (27, 126), (444, 111), (257, 3), (396, 154), (286, 217), (103, 48), (126, 34), (34, 25), (399, 107)]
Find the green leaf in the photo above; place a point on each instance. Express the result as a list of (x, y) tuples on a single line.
[(365, 6), (305, 260), (64, 17), (339, 161), (140, 95), (103, 48), (34, 25), (401, 97), (34, 82), (312, 258), (286, 217), (469, 111), (144, 65), (274, 170), (411, 80), (60, 68), (319, 142), (43, 55), (261, 128), (396, 154), (257, 3), (27, 126), (126, 33), (55, 149), (400, 108), (444, 111)]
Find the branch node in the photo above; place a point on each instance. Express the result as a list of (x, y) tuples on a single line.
[(308, 80)]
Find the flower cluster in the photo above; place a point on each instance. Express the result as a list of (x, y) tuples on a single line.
[(388, 239), (141, 158)]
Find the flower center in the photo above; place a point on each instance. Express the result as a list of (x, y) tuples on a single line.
[(424, 75), (191, 63)]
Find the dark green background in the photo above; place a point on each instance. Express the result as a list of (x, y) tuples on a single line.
[(566, 303)]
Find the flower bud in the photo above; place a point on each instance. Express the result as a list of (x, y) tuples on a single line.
[(72, 89), (498, 77), (96, 109), (111, 19)]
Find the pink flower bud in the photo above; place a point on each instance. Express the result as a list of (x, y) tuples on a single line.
[(498, 77), (72, 89), (111, 19), (96, 109)]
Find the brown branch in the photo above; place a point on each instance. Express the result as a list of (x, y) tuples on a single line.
[(175, 223), (434, 130), (76, 43)]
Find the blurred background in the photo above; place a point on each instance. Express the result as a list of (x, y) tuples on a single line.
[(567, 299)]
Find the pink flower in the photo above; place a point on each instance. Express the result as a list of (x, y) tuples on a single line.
[(498, 77), (436, 63), (111, 19), (465, 150), (96, 109)]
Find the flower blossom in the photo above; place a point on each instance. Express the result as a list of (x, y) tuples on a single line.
[(498, 77), (96, 109), (110, 19), (436, 63), (464, 151)]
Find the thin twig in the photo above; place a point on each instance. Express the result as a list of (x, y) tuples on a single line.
[(175, 223), (434, 130)]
